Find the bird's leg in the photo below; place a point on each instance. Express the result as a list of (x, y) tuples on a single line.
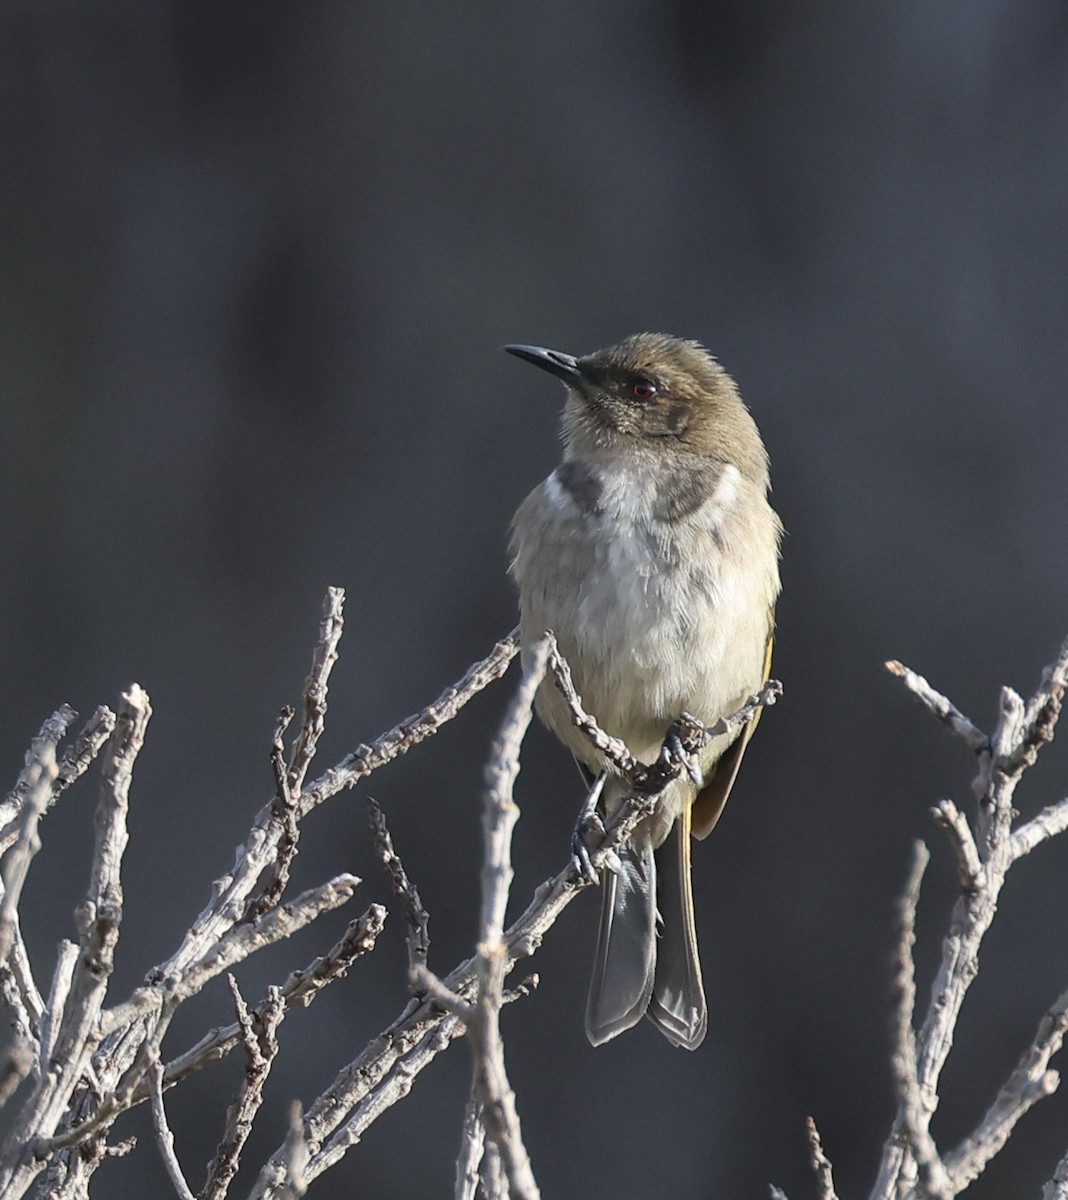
[(588, 821), (684, 740)]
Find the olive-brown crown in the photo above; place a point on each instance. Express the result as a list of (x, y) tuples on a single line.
[(667, 392)]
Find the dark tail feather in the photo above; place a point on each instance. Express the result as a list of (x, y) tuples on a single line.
[(677, 1007), (626, 947)]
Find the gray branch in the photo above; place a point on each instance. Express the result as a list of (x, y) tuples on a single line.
[(912, 1166), (383, 1072), (164, 1137)]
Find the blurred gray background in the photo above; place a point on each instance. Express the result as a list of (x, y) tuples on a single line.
[(258, 260)]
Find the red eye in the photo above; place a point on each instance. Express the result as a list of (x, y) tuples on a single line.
[(643, 389)]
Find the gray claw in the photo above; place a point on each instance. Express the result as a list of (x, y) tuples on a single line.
[(580, 852), (687, 760)]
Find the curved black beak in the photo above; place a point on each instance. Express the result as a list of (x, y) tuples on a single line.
[(564, 366)]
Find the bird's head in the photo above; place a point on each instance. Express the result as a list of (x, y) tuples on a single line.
[(654, 392)]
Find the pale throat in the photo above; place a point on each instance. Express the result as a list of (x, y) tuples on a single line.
[(632, 492)]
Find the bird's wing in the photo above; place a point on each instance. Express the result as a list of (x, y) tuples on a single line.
[(709, 803)]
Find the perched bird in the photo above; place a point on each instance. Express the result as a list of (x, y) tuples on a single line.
[(652, 553)]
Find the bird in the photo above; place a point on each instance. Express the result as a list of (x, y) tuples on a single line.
[(652, 554)]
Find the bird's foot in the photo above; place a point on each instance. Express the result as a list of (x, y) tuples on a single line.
[(588, 827), (684, 739)]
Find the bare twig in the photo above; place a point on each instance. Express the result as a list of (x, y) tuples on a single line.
[(289, 781), (280, 923), (274, 926), (78, 756), (19, 988), (100, 917), (492, 1179), (947, 712), (93, 1063), (66, 961), (72, 764), (401, 738), (314, 720), (994, 785), (164, 1137), (1057, 1188), (299, 990), (970, 920), (652, 777), (425, 983), (1042, 712), (522, 990), (912, 1165), (1052, 819), (500, 813), (614, 750), (286, 828), (915, 1104), (29, 798), (1030, 1082), (49, 735), (382, 1073), (38, 787), (910, 1144), (259, 1036), (279, 770), (821, 1164), (415, 913), (472, 1145), (948, 817), (393, 1086), (232, 892)]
